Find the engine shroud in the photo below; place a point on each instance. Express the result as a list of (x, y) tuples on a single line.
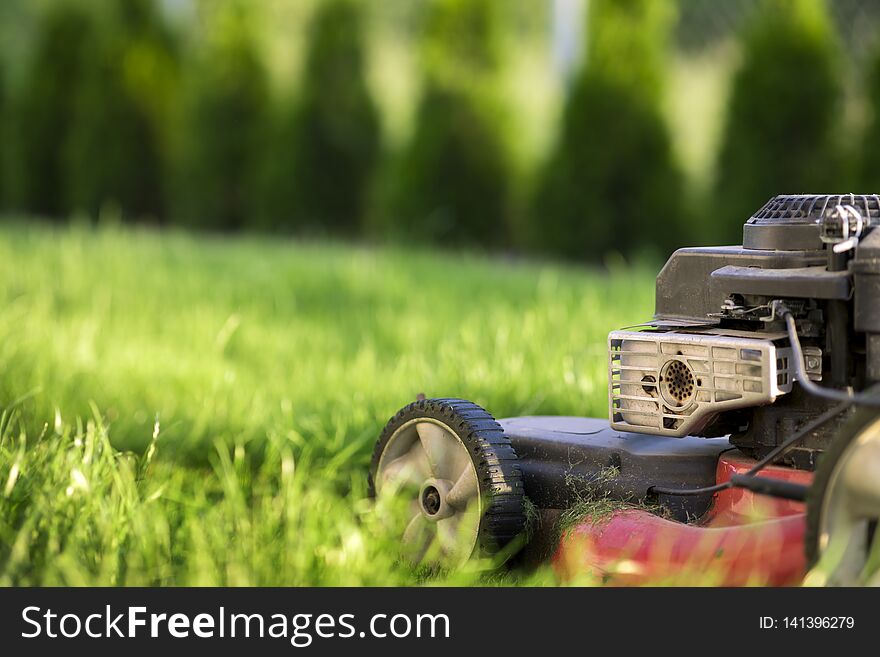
[(675, 383)]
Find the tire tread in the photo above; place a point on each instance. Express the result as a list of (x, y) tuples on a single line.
[(496, 462)]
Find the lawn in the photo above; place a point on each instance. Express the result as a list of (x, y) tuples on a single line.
[(183, 410)]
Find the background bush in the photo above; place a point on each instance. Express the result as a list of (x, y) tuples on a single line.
[(4, 140), (784, 113), (866, 156), (452, 182), (223, 132), (117, 149), (612, 181), (45, 111), (329, 146), (258, 115)]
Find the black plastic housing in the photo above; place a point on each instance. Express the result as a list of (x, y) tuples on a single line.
[(569, 460), (695, 281)]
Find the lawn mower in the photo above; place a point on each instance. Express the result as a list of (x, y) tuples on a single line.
[(742, 443)]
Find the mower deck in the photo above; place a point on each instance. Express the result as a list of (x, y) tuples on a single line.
[(733, 537)]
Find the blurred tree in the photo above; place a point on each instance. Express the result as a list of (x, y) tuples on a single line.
[(783, 114), (329, 146), (452, 183), (869, 173), (612, 181), (223, 124), (44, 111), (117, 150), (4, 140)]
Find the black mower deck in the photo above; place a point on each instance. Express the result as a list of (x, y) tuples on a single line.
[(566, 460)]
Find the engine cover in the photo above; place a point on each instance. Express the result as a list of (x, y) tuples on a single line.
[(675, 383)]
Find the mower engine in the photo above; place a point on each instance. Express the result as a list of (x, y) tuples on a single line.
[(716, 359)]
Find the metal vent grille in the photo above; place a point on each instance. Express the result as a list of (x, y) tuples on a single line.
[(810, 208), (675, 383)]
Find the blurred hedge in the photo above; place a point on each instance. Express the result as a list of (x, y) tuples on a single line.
[(117, 149), (327, 151), (452, 182), (612, 181), (174, 116), (5, 155), (866, 157), (783, 117), (224, 125), (46, 108)]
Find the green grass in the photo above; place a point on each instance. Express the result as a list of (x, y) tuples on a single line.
[(266, 369)]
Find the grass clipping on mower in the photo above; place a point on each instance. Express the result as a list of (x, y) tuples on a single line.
[(594, 504)]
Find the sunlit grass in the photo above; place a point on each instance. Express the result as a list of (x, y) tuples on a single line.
[(270, 367)]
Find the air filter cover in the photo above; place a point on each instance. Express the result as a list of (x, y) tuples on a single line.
[(674, 384)]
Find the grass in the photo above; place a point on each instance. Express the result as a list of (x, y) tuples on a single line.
[(182, 410), (594, 505)]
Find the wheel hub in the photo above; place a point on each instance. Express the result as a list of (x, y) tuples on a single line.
[(426, 462), (430, 501)]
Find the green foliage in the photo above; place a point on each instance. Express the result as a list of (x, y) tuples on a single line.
[(117, 150), (454, 177), (5, 134), (869, 167), (628, 41), (222, 140), (783, 114), (271, 367), (462, 42), (45, 111), (329, 147), (453, 180), (612, 181)]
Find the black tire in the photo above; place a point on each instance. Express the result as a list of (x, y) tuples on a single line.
[(816, 494), (496, 463)]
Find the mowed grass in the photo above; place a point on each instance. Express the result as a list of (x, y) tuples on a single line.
[(192, 410)]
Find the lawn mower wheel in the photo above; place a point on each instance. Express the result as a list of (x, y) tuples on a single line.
[(452, 460), (843, 505)]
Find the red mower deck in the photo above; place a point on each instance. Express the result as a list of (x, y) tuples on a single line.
[(742, 539)]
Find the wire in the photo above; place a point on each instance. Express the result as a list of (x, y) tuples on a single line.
[(660, 490), (803, 379), (775, 453)]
